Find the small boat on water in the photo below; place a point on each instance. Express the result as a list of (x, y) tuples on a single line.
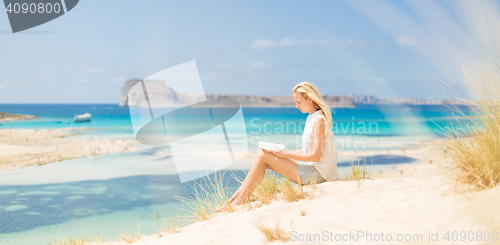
[(86, 117)]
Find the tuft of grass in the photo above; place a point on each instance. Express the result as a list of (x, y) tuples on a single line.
[(68, 241), (268, 188), (127, 237), (474, 148), (358, 172), (158, 232), (273, 184), (273, 233), (302, 212), (80, 240), (102, 238), (172, 225), (291, 191), (208, 195)]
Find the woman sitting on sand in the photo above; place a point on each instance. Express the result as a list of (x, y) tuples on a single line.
[(316, 162)]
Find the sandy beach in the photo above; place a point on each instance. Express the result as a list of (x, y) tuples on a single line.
[(410, 204), (20, 148)]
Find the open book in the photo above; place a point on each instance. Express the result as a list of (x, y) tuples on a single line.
[(270, 146)]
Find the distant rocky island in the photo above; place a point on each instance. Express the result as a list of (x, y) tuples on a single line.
[(165, 96), (372, 100), (5, 117)]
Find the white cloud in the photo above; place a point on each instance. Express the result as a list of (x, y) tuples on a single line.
[(258, 65), (47, 72), (406, 41), (209, 75), (380, 81), (341, 43), (117, 79), (361, 44), (286, 42), (217, 76), (123, 70), (2, 86), (224, 66), (94, 70), (81, 81)]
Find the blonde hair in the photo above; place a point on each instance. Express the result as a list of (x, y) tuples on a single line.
[(308, 90)]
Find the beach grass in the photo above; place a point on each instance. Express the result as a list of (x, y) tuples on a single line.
[(358, 172), (474, 148), (209, 193), (274, 185), (268, 188), (79, 240), (127, 237), (82, 240), (172, 225), (130, 238), (273, 233), (291, 192)]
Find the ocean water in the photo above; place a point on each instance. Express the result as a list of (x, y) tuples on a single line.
[(113, 121), (106, 194)]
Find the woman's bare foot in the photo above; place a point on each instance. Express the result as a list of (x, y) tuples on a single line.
[(236, 201), (239, 201), (224, 207)]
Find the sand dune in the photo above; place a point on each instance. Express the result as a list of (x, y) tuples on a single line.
[(411, 204)]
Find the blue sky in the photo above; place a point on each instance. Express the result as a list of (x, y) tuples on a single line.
[(383, 48)]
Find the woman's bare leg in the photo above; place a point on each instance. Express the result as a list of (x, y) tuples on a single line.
[(265, 160)]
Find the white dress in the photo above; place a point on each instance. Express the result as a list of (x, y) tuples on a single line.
[(327, 165)]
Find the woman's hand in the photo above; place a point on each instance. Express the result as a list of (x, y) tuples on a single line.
[(279, 153)]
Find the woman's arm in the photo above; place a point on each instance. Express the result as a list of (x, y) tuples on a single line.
[(319, 128), (297, 151)]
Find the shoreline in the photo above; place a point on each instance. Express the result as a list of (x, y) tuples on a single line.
[(20, 148)]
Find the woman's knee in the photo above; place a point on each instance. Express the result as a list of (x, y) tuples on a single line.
[(263, 154), (264, 157)]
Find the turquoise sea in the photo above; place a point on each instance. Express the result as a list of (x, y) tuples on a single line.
[(106, 194)]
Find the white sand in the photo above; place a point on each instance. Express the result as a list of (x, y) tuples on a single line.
[(416, 202), (27, 147)]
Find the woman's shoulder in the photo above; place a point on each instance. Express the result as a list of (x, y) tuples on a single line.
[(319, 122)]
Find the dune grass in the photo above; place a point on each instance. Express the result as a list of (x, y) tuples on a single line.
[(172, 225), (273, 233), (209, 193), (267, 189), (274, 186), (474, 148), (130, 238), (358, 172), (80, 240)]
